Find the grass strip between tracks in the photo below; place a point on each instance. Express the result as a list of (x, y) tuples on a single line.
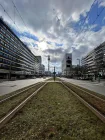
[(8, 105), (91, 92), (54, 113), (92, 100), (52, 79)]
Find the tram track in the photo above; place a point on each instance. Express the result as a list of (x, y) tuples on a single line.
[(93, 102), (15, 93), (7, 117), (56, 111), (10, 103)]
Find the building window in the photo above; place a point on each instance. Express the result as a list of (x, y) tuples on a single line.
[(3, 31), (1, 53), (8, 35), (1, 36), (2, 42), (68, 66), (1, 59), (1, 48)]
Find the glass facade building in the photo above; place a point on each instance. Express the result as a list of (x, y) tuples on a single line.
[(16, 59)]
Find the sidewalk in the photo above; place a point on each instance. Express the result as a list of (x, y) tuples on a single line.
[(98, 87), (101, 82), (10, 86), (3, 80)]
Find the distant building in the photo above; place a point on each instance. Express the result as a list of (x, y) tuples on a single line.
[(47, 73), (67, 64), (39, 59), (39, 62), (42, 70)]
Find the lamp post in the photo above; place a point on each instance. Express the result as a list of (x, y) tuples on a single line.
[(48, 64), (79, 66), (54, 73), (79, 61)]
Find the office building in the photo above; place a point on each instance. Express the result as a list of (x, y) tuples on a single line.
[(89, 62), (42, 70), (16, 59), (94, 62), (100, 58), (67, 65)]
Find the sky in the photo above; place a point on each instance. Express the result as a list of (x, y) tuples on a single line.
[(56, 27)]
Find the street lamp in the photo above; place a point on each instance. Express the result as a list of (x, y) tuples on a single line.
[(79, 61), (79, 66), (48, 65)]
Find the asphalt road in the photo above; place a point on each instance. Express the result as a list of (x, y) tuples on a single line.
[(10, 86), (94, 86)]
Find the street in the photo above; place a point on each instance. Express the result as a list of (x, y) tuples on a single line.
[(94, 86), (10, 86)]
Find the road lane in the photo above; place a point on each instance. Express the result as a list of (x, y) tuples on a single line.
[(10, 86), (94, 86)]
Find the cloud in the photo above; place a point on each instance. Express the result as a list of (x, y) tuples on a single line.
[(48, 27), (102, 4)]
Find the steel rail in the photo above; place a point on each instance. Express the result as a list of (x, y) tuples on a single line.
[(6, 118), (94, 110), (80, 88), (11, 96)]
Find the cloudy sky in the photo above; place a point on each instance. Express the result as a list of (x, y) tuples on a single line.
[(56, 27)]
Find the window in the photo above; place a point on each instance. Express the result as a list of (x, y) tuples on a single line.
[(12, 39), (0, 65), (1, 48), (2, 42), (1, 59), (4, 27), (1, 36), (2, 31), (1, 53), (5, 55), (7, 40), (6, 50)]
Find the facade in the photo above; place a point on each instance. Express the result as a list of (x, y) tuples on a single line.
[(39, 58), (100, 58), (39, 63), (16, 59), (67, 65), (42, 70), (47, 73), (94, 62), (89, 62)]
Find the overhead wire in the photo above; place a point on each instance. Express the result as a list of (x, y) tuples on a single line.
[(8, 14), (98, 15), (19, 14)]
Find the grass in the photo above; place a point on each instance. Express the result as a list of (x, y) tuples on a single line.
[(52, 79), (92, 92), (54, 114), (95, 102), (8, 105)]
